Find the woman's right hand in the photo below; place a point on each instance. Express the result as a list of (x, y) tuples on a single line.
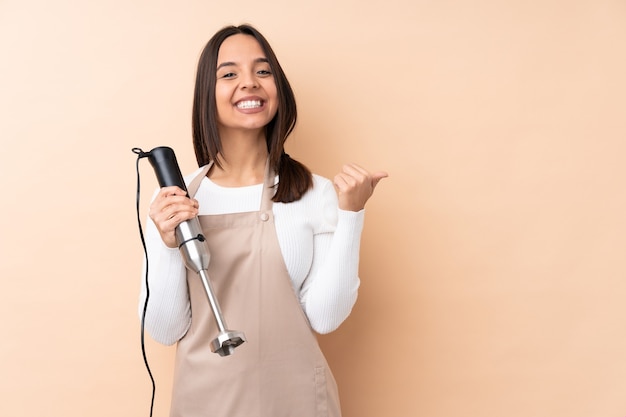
[(170, 207)]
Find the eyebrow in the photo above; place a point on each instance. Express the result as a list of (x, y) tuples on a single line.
[(230, 63)]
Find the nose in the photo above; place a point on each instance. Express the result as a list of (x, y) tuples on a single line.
[(249, 81)]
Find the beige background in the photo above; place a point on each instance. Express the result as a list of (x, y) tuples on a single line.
[(493, 273)]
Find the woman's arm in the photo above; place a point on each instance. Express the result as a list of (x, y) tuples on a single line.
[(168, 314), (330, 289)]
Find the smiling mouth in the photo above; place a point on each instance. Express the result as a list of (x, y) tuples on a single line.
[(249, 104)]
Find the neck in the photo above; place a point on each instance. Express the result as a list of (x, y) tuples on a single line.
[(242, 160)]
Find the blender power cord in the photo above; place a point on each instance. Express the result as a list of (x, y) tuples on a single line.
[(141, 154)]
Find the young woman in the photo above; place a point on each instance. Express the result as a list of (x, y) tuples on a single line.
[(284, 246)]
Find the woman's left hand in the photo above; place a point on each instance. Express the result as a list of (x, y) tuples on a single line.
[(355, 185)]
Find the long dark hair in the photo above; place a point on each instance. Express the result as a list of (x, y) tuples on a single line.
[(294, 178)]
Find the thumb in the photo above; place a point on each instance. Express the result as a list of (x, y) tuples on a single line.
[(376, 177)]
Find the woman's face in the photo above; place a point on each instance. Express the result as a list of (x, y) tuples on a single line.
[(245, 91)]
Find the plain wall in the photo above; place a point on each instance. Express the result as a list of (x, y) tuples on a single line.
[(493, 272)]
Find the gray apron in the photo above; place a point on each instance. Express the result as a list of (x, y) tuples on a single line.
[(280, 371)]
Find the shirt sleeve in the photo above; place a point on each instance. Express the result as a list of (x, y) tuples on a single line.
[(330, 290), (168, 312)]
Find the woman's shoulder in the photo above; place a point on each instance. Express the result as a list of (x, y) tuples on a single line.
[(321, 194), (320, 200), (318, 206), (320, 181), (322, 190)]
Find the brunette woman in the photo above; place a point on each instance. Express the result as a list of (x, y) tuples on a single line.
[(284, 246)]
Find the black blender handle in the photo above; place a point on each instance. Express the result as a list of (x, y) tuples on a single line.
[(165, 165)]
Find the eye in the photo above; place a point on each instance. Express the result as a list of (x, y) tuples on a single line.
[(227, 75), (264, 72)]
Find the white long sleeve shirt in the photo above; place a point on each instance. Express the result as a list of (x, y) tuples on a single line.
[(319, 242)]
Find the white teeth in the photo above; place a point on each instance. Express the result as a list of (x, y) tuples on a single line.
[(249, 104)]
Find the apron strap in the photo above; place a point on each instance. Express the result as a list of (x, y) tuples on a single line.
[(269, 188), (192, 189)]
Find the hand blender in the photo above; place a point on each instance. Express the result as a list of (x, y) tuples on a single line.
[(194, 249)]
